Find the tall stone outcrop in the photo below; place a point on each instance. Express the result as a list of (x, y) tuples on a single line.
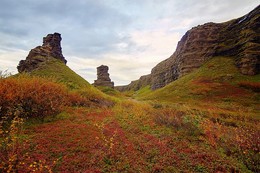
[(103, 78), (238, 38), (51, 48)]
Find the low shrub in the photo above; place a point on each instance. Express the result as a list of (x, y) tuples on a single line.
[(169, 117), (246, 145), (32, 96), (187, 122), (14, 150)]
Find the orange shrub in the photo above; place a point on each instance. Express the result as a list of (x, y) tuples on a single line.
[(76, 99), (32, 96)]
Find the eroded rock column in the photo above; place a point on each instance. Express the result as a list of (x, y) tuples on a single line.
[(103, 78)]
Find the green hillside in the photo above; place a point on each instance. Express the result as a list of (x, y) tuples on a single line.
[(217, 80), (216, 88), (62, 73), (57, 71)]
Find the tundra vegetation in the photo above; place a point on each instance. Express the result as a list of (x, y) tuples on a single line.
[(206, 121)]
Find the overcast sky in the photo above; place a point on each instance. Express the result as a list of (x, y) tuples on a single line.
[(130, 36)]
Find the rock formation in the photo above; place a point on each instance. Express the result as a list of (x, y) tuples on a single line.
[(103, 78), (137, 84), (238, 38), (50, 48)]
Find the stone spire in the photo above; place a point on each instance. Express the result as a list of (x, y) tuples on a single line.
[(51, 47), (103, 78)]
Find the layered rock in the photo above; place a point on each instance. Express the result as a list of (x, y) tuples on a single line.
[(51, 48), (196, 46), (137, 84), (238, 38), (103, 78)]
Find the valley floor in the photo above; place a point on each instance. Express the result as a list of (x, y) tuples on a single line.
[(135, 137)]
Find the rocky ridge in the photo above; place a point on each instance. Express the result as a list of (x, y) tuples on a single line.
[(103, 78), (238, 38), (137, 84), (51, 48)]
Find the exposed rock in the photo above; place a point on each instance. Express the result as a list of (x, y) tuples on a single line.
[(195, 47), (50, 48), (238, 38), (137, 84), (103, 78)]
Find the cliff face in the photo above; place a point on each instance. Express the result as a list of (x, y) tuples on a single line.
[(137, 84), (196, 46), (238, 38), (51, 48)]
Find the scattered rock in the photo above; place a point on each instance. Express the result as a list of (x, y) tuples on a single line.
[(50, 48), (103, 78)]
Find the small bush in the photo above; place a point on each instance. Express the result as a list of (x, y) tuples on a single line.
[(254, 86), (33, 96), (75, 99), (170, 118), (184, 121)]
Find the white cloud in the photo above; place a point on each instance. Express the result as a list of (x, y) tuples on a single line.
[(9, 59)]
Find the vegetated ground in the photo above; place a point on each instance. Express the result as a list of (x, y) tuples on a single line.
[(207, 121)]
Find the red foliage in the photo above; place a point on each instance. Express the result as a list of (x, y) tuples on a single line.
[(31, 96)]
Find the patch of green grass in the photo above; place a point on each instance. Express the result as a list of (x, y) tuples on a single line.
[(62, 73), (143, 91), (110, 91), (48, 119)]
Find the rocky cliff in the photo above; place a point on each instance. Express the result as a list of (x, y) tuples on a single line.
[(51, 48), (137, 84), (103, 78), (238, 38)]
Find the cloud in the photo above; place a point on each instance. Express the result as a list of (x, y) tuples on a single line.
[(9, 59), (126, 66)]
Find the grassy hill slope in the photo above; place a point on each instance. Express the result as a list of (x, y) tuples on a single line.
[(62, 73), (57, 71), (216, 81), (217, 89)]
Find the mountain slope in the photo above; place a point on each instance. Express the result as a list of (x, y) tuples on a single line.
[(62, 73), (217, 83), (48, 61), (238, 38)]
